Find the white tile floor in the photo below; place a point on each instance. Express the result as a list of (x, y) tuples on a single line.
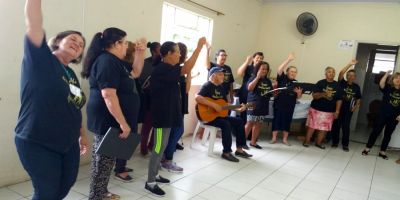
[(275, 172)]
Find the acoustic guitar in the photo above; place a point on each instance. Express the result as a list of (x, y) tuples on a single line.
[(207, 114)]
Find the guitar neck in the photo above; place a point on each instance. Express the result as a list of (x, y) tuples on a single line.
[(230, 107)]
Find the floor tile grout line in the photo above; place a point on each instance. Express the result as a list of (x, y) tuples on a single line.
[(347, 165), (214, 163), (372, 178), (316, 164), (275, 170)]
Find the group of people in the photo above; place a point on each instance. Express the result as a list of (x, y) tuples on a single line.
[(126, 89)]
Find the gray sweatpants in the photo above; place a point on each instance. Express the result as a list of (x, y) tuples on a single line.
[(161, 137)]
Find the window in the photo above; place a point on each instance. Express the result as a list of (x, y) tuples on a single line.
[(180, 25), (384, 62)]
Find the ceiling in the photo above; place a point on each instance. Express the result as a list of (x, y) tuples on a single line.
[(329, 1)]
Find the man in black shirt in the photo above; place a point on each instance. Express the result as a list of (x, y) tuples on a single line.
[(213, 89), (228, 80)]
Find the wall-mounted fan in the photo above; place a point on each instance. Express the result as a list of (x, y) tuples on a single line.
[(307, 23)]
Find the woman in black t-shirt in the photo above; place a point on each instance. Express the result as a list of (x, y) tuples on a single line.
[(245, 71), (113, 100), (259, 87), (325, 107), (285, 101), (165, 107), (146, 144), (177, 131), (351, 100), (389, 116), (49, 135)]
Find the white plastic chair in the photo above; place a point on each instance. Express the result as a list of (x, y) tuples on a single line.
[(209, 132)]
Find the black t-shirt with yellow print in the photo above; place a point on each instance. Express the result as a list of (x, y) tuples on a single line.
[(260, 97), (350, 94), (390, 101), (228, 78), (213, 91), (51, 100), (326, 104)]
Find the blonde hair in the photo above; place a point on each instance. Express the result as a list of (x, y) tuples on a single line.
[(395, 75), (328, 68), (129, 52)]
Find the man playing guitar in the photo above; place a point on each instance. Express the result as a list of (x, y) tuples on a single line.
[(213, 90)]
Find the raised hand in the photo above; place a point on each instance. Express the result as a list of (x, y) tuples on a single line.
[(249, 59), (141, 44), (202, 41), (291, 56), (353, 62)]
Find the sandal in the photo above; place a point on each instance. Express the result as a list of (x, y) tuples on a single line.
[(365, 152), (111, 196), (286, 143), (384, 156)]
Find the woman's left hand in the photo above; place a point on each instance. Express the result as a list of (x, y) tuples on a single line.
[(336, 114), (83, 143), (398, 118)]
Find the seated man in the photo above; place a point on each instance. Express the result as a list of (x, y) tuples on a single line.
[(214, 90)]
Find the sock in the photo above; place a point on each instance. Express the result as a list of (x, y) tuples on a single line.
[(152, 184)]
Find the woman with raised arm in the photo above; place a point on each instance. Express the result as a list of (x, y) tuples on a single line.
[(49, 132), (285, 101), (245, 71), (147, 140), (114, 100), (389, 116), (166, 105), (177, 132), (351, 100)]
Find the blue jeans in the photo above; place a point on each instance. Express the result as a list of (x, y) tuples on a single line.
[(52, 173), (175, 134)]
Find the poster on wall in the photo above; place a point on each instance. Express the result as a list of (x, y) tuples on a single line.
[(346, 44)]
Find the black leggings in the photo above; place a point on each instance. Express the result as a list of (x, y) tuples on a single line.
[(387, 122)]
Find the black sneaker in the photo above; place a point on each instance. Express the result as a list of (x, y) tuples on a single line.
[(179, 146), (320, 146), (346, 149), (161, 179), (127, 169), (229, 157), (154, 190), (334, 145), (243, 154), (246, 147)]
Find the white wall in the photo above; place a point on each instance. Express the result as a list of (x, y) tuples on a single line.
[(366, 22), (236, 32)]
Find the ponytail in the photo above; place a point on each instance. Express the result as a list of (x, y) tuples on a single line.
[(100, 42), (95, 49)]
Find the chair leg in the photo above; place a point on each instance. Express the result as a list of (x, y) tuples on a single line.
[(205, 135), (195, 133), (213, 135)]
